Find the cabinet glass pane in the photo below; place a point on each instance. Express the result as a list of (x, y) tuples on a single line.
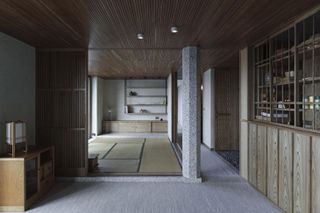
[(31, 177)]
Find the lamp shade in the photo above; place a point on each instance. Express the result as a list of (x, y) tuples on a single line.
[(20, 132)]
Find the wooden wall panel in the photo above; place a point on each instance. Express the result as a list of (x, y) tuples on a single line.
[(301, 175), (253, 154), (61, 108), (273, 164), (285, 170), (262, 159), (315, 175)]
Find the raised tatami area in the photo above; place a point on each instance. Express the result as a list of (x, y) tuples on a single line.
[(134, 156)]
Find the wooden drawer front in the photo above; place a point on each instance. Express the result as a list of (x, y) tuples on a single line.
[(159, 127), (114, 127), (110, 127), (126, 127), (143, 127)]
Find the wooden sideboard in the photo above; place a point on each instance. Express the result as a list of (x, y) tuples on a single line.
[(25, 178), (135, 126)]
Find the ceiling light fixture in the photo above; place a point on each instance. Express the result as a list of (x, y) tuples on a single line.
[(174, 29), (140, 36)]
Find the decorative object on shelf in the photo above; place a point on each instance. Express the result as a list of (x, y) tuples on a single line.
[(126, 109), (143, 111), (267, 78), (281, 105), (311, 99), (110, 114), (16, 136), (132, 93)]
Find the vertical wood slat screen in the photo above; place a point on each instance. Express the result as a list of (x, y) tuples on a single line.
[(61, 108)]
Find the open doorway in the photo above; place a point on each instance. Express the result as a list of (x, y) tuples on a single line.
[(221, 113), (130, 128)]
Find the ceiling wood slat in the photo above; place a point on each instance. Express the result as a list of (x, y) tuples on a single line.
[(108, 28)]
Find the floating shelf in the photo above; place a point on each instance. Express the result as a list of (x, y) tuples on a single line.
[(131, 113), (147, 105)]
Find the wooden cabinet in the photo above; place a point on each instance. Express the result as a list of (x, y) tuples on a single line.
[(135, 126), (159, 126), (287, 76), (25, 178)]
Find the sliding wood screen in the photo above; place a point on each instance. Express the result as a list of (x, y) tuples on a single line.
[(61, 108)]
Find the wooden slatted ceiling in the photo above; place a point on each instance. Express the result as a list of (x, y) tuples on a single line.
[(110, 26)]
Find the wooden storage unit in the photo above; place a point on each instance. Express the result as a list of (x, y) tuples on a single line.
[(159, 126), (287, 76), (25, 178), (135, 126)]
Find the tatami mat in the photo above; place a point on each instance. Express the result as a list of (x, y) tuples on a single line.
[(124, 155), (100, 149), (125, 151), (119, 166), (102, 139), (159, 157)]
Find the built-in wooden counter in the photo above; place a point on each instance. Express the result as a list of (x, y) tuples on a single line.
[(136, 126)]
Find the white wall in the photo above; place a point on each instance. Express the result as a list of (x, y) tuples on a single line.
[(114, 100), (169, 106), (17, 82), (97, 104), (208, 120), (180, 106), (244, 112)]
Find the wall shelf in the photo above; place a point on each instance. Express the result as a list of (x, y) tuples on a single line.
[(146, 97)]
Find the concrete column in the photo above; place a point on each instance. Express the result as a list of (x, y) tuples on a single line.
[(191, 129), (244, 113), (94, 105)]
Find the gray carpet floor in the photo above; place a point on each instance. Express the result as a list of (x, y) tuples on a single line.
[(223, 192)]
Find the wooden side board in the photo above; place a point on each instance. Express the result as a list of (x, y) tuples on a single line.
[(12, 177), (273, 165), (285, 170), (315, 173), (262, 159), (253, 154), (301, 173)]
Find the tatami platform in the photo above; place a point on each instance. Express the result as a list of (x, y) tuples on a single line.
[(134, 156)]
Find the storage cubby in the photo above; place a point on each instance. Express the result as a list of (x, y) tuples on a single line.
[(146, 97), (287, 69)]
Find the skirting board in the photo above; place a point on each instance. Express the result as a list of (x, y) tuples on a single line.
[(153, 179)]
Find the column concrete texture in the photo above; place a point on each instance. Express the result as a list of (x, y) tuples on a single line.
[(191, 129)]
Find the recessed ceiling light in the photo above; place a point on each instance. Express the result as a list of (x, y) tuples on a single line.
[(140, 36), (174, 29)]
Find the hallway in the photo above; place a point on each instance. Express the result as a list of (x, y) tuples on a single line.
[(223, 190)]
